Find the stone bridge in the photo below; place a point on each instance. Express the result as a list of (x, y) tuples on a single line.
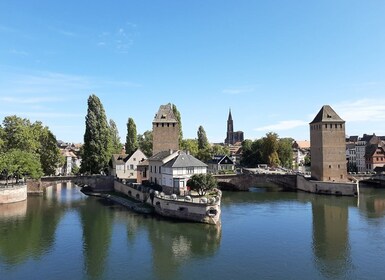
[(97, 182), (242, 182)]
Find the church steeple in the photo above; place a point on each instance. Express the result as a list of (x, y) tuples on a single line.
[(230, 129), (230, 118)]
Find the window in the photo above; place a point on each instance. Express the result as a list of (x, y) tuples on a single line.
[(159, 169), (330, 166), (190, 170), (339, 166), (154, 169), (131, 166), (331, 126)]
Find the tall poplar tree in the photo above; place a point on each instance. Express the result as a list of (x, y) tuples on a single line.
[(145, 142), (97, 139), (115, 138), (131, 138), (178, 118), (203, 143)]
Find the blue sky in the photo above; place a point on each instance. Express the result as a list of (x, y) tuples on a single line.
[(274, 63)]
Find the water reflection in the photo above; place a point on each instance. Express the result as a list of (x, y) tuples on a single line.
[(371, 202), (173, 243), (331, 235), (97, 228), (29, 234)]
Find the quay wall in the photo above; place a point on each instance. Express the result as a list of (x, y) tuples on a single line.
[(13, 194), (188, 210), (321, 187), (131, 191)]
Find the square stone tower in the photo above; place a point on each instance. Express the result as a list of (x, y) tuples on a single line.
[(165, 130), (327, 146)]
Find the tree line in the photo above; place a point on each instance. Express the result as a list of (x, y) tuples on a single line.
[(27, 149), (30, 149), (270, 150)]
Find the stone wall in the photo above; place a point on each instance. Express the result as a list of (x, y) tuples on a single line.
[(133, 192), (13, 194), (243, 182), (321, 187)]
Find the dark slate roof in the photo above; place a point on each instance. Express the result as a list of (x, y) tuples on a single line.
[(184, 160), (367, 137), (327, 114), (120, 158), (353, 139), (220, 159), (165, 114), (161, 155)]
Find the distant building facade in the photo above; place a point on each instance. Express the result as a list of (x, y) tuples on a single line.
[(301, 150), (125, 166), (220, 163), (165, 130), (328, 146), (172, 170), (231, 136)]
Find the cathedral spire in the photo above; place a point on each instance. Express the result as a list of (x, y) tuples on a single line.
[(230, 117)]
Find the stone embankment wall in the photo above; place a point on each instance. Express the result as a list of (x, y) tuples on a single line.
[(135, 191), (333, 188), (13, 194), (188, 210)]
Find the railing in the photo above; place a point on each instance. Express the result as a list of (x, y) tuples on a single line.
[(11, 185)]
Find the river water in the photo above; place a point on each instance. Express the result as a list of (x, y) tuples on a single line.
[(265, 234)]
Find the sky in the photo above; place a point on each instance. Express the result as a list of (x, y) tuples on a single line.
[(274, 63)]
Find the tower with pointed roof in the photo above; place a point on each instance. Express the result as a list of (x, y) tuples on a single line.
[(327, 146), (231, 136), (165, 130), (230, 129)]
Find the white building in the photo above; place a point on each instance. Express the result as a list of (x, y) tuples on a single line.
[(125, 166), (172, 170)]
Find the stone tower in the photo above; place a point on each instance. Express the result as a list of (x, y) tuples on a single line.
[(165, 130), (327, 146), (230, 129)]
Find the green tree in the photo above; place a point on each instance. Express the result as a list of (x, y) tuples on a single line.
[(49, 153), (97, 139), (115, 138), (202, 183), (18, 164), (131, 138), (19, 134), (145, 142), (203, 143), (190, 145), (2, 137), (178, 118), (270, 149), (285, 152)]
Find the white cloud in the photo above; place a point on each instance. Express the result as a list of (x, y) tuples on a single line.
[(34, 100), (121, 39), (282, 125), (363, 110)]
